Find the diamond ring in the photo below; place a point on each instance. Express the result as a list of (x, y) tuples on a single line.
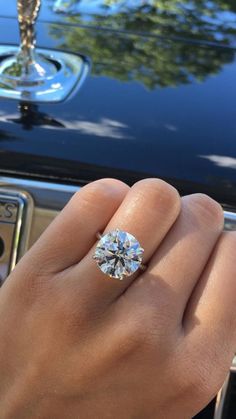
[(118, 254)]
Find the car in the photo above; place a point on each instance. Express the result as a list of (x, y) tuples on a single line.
[(157, 100)]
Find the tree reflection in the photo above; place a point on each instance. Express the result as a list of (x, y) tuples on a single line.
[(164, 58), (197, 19), (203, 19)]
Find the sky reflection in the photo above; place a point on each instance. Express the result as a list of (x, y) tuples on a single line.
[(221, 161)]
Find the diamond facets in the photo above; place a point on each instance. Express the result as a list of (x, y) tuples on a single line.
[(118, 254)]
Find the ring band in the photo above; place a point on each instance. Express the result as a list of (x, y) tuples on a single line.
[(118, 254)]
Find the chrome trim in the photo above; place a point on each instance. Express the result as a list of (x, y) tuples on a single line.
[(220, 400), (230, 220), (32, 74), (15, 231), (36, 184), (65, 73), (221, 397), (233, 368), (65, 191), (49, 198), (48, 195), (41, 220)]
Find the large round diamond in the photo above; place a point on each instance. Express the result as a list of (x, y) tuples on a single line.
[(118, 254)]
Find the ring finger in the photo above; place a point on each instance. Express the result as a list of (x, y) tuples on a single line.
[(148, 211)]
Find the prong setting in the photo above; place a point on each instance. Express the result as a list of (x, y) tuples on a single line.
[(118, 254)]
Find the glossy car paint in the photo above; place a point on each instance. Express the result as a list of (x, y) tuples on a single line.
[(153, 105)]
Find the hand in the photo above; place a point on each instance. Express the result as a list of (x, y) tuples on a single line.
[(76, 344)]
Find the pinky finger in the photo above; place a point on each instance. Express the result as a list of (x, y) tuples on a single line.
[(211, 313)]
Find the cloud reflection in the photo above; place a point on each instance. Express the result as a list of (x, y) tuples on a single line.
[(221, 161), (105, 127), (30, 116)]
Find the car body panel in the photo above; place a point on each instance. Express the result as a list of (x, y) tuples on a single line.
[(151, 106)]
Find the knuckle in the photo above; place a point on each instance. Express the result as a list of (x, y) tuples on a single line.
[(204, 384), (193, 378), (201, 374), (208, 211), (67, 324), (68, 315), (201, 381), (90, 195), (74, 314), (103, 189), (35, 286), (146, 332), (159, 194), (112, 182), (135, 339)]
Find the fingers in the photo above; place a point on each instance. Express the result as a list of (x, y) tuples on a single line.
[(148, 211), (73, 232), (177, 264), (211, 312), (210, 320)]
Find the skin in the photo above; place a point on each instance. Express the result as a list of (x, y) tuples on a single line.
[(75, 344)]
